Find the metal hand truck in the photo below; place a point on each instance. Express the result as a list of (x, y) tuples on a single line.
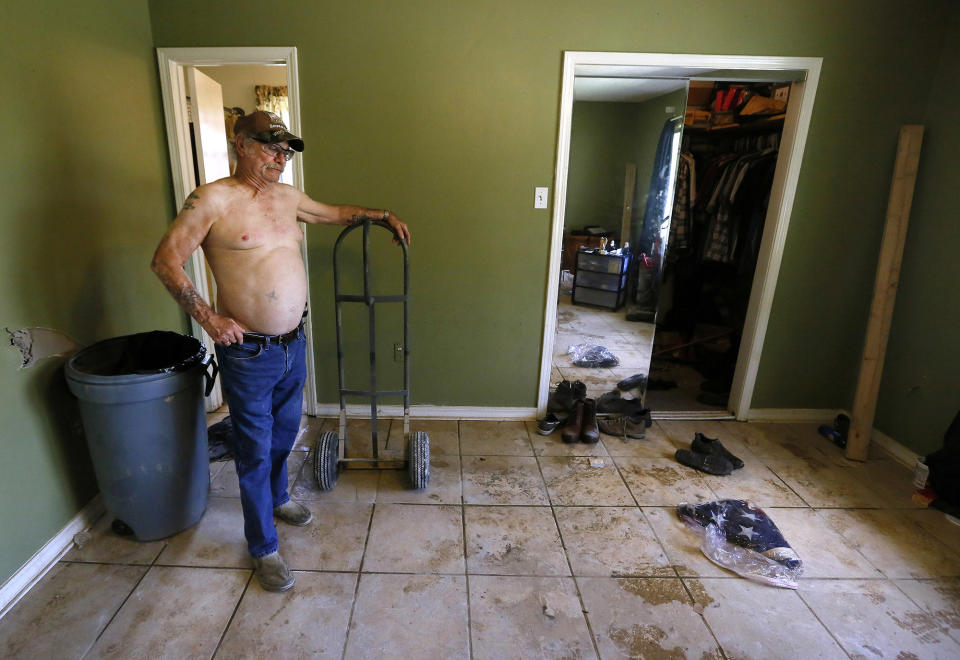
[(329, 455)]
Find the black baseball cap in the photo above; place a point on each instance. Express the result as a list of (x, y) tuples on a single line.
[(268, 128)]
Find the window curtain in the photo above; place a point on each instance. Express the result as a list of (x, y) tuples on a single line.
[(273, 99)]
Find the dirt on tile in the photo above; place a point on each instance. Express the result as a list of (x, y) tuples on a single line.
[(643, 642), (921, 624), (656, 591), (699, 593)]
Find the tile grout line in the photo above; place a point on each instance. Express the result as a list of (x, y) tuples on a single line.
[(125, 600), (822, 624), (233, 614), (356, 588), (466, 568), (566, 555)]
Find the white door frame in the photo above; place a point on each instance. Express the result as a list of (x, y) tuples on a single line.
[(171, 61), (792, 142)]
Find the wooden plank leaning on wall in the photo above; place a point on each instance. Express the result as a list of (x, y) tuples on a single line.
[(884, 291)]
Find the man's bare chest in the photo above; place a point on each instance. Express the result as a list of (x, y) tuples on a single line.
[(267, 224)]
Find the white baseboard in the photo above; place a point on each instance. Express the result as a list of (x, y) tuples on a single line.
[(897, 451), (822, 415), (430, 412), (18, 584)]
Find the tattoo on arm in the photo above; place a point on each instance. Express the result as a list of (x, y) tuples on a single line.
[(191, 301), (188, 205)]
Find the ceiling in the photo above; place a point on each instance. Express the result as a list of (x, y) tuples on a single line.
[(635, 84)]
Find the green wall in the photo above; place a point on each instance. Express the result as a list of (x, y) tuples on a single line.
[(603, 139), (86, 195), (447, 113), (920, 394)]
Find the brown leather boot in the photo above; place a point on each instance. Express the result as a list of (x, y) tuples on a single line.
[(589, 433), (570, 432)]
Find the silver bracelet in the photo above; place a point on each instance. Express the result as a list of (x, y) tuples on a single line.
[(386, 215)]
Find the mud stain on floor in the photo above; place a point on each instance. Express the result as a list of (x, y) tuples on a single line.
[(643, 642)]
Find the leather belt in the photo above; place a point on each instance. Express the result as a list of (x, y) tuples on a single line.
[(281, 340)]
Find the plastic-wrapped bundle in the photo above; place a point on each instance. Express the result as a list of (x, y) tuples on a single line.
[(589, 355), (742, 538)]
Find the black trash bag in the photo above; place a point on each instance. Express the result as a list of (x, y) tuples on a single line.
[(155, 352), (220, 440), (944, 467), (742, 538)]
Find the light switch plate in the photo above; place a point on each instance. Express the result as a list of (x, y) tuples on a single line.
[(540, 198)]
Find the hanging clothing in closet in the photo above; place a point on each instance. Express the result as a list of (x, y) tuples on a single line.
[(732, 200)]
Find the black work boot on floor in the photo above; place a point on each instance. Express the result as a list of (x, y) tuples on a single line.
[(564, 399), (589, 433), (703, 445)]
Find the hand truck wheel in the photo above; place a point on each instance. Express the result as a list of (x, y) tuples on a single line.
[(418, 459), (325, 460)]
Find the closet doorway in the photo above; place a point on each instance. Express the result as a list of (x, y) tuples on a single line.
[(801, 75)]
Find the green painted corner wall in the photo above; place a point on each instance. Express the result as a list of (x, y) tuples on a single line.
[(920, 391), (86, 195), (447, 113)]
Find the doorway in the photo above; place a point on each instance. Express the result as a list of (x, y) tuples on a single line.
[(803, 74), (174, 64)]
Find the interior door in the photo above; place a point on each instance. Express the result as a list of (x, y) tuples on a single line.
[(210, 137)]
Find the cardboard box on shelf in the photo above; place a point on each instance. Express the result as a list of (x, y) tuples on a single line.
[(695, 118), (700, 93)]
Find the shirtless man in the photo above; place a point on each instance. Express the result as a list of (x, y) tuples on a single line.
[(247, 227)]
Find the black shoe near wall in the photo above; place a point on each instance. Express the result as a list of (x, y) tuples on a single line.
[(708, 463), (703, 445), (636, 380)]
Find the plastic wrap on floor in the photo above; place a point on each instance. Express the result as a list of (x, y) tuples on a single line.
[(742, 538)]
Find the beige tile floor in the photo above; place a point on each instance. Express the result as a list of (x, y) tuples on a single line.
[(523, 548)]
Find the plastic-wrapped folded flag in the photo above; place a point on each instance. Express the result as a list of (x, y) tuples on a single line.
[(742, 538)]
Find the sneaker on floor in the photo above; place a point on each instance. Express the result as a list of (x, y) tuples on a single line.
[(703, 445), (272, 572), (549, 424), (293, 513), (704, 462)]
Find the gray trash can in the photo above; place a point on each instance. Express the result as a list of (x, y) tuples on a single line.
[(141, 401)]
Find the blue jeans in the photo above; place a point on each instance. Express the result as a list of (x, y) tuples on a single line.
[(264, 387)]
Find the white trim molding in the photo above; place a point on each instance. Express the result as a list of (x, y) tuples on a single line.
[(805, 71), (821, 415), (18, 584), (431, 412)]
